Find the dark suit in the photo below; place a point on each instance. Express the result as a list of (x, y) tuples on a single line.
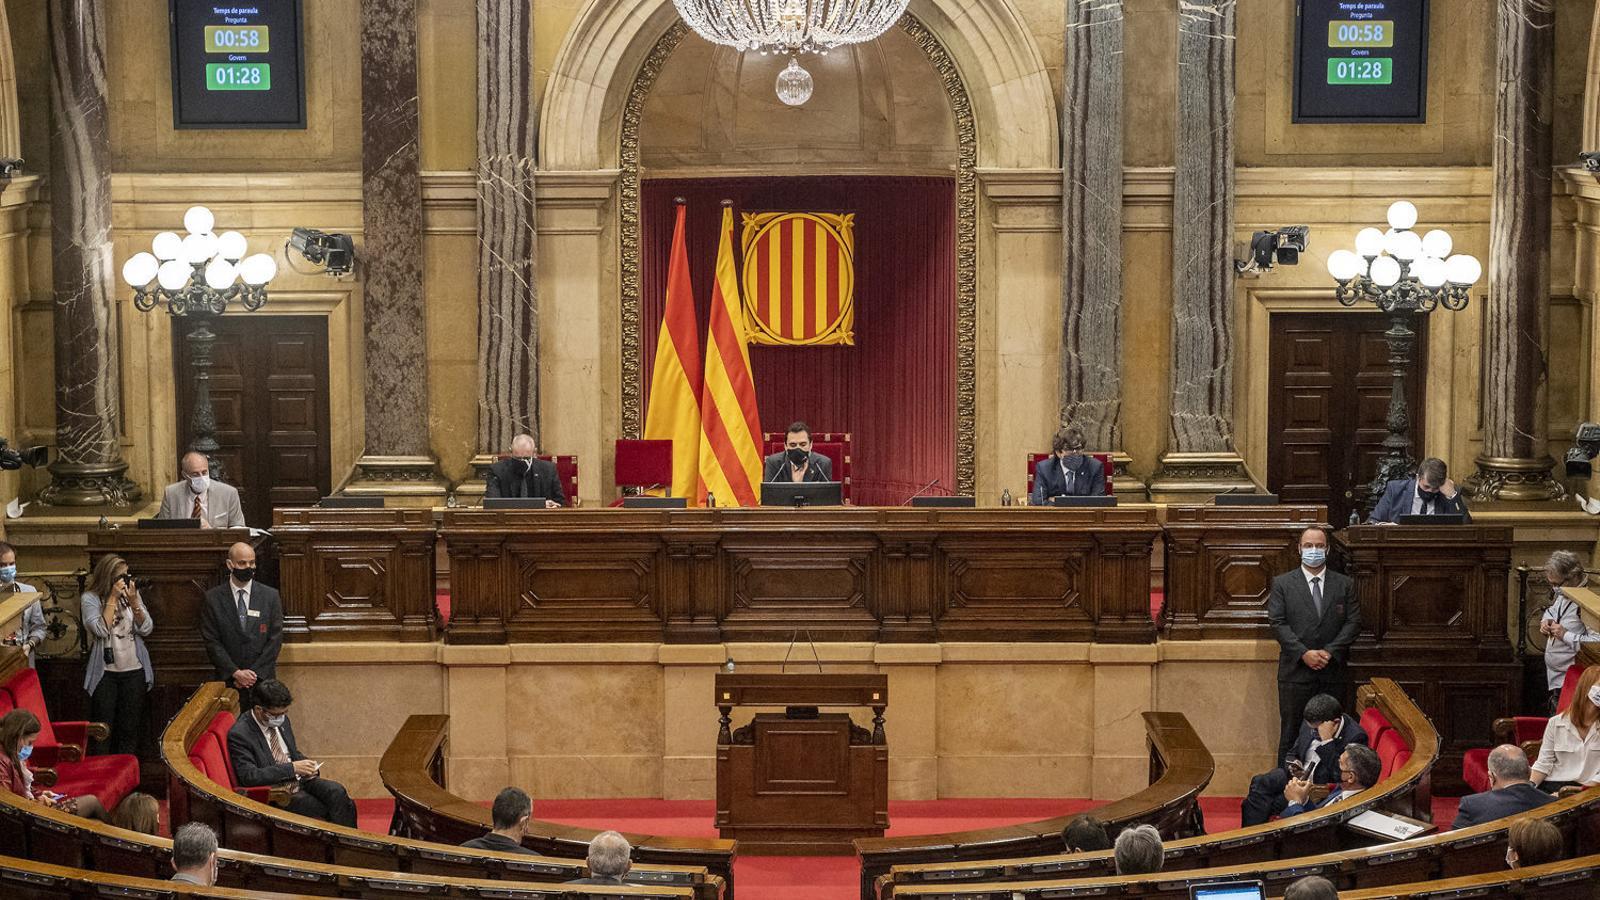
[(253, 766), (1298, 628), (1266, 799), (1499, 803), (1088, 478), (254, 645), (776, 468), (515, 478), (500, 842), (1295, 809), (1398, 496), (596, 879)]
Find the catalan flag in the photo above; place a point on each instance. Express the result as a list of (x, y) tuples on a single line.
[(674, 413), (799, 278), (730, 446)]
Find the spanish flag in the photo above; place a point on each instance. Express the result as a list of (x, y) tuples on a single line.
[(730, 446), (674, 413)]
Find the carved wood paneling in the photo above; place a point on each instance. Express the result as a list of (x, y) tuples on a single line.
[(357, 574), (1220, 562)]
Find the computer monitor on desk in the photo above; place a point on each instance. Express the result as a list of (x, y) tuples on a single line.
[(801, 493), (1446, 519), (514, 503), (1228, 890), (1091, 500)]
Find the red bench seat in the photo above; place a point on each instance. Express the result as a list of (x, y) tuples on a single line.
[(60, 753)]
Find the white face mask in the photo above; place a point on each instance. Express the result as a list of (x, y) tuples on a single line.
[(199, 483), (1594, 695)]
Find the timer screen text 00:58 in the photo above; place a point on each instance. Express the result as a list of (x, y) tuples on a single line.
[(235, 41), (1360, 37)]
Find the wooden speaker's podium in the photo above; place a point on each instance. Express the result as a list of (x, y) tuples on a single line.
[(1435, 618), (801, 782)]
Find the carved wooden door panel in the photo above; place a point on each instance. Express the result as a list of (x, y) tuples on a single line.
[(1328, 402)]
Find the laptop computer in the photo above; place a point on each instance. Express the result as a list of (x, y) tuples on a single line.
[(1446, 519), (1228, 890)]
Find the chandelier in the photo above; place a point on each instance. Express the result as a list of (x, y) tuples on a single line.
[(792, 27), (1401, 271)]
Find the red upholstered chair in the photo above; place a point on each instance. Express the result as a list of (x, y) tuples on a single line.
[(835, 445), (1390, 746), (1524, 731), (59, 758), (1105, 460), (643, 465), (566, 470), (210, 755), (1374, 723)]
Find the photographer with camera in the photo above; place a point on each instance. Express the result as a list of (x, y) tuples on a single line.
[(30, 631), (119, 672)]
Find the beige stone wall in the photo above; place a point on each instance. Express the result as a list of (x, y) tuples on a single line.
[(637, 720)]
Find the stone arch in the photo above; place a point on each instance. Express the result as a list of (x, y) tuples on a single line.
[(595, 69)]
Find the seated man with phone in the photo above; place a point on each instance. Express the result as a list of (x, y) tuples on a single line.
[(264, 752), (1327, 730)]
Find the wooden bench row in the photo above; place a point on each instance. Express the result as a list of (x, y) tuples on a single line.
[(985, 856)]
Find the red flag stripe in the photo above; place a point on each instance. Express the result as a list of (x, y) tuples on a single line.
[(833, 282)]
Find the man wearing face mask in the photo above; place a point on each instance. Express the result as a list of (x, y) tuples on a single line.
[(197, 496), (1315, 615), (797, 462), (241, 625), (30, 631), (263, 750), (523, 475), (1067, 471), (1431, 493)]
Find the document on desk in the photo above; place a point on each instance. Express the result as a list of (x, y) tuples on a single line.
[(1388, 826)]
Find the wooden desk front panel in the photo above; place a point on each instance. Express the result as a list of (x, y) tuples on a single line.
[(1220, 562), (357, 574), (848, 574)]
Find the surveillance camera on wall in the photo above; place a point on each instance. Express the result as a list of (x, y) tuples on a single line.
[(336, 253), (1271, 248), (34, 457), (10, 167), (1591, 161)]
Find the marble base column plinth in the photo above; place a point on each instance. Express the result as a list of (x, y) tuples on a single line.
[(1183, 475), (1128, 486), (410, 480), (471, 491), (1516, 480)]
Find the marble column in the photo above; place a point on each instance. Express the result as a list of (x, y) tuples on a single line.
[(397, 460), (89, 469), (1515, 463), (508, 299), (1091, 215), (1200, 455)]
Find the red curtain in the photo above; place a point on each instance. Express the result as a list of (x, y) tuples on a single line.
[(895, 390)]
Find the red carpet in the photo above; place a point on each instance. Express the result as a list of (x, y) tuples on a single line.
[(822, 877)]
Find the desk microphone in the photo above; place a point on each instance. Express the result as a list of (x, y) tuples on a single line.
[(920, 491)]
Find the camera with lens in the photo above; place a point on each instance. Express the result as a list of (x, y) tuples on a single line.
[(335, 252), (1591, 161), (1585, 447), (15, 459), (1271, 248)]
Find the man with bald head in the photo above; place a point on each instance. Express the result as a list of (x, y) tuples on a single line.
[(1510, 790), (197, 496), (1315, 615), (522, 474), (241, 624)]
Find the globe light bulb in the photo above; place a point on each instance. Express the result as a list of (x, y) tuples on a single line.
[(198, 220), (258, 269), (1385, 271), (1402, 215), (1407, 246), (220, 274), (167, 245), (1430, 272), (1369, 242), (794, 84), (1344, 265), (1463, 269), (140, 269), (196, 249), (231, 245), (1437, 243), (174, 274)]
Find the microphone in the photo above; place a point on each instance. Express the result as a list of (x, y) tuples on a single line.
[(795, 633), (920, 491)]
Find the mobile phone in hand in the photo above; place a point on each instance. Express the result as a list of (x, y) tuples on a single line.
[(1297, 769)]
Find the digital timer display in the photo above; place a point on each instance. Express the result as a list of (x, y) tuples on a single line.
[(237, 64), (1361, 60)]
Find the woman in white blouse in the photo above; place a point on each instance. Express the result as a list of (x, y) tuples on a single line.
[(1562, 623), (118, 674), (1569, 755)]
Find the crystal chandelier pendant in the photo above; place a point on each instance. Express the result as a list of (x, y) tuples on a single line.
[(794, 84)]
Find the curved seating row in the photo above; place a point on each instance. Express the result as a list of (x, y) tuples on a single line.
[(1405, 790), (251, 826), (60, 759), (1180, 767), (39, 834), (22, 879), (1471, 851)]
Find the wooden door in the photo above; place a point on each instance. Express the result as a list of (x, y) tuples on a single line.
[(269, 388), (1328, 405)]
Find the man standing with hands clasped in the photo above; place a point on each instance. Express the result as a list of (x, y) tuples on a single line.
[(241, 625), (1315, 616)]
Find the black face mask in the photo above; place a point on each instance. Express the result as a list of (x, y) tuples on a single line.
[(243, 576), (1428, 496), (798, 457)]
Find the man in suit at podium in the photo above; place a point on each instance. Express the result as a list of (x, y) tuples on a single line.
[(1431, 493), (796, 462), (1067, 472), (215, 504), (1315, 615), (521, 475), (241, 625)]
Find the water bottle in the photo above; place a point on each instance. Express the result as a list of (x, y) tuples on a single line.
[(711, 500), (1355, 517), (1005, 497)]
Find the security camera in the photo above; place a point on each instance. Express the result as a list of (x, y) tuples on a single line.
[(1269, 248), (336, 253), (1591, 161), (16, 459), (9, 167), (1585, 447)]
